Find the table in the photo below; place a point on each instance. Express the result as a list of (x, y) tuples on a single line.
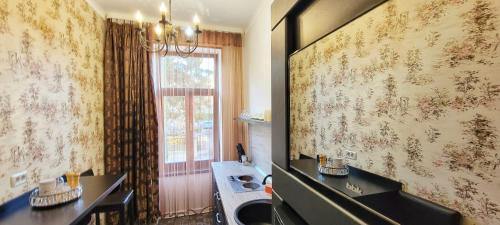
[(95, 189)]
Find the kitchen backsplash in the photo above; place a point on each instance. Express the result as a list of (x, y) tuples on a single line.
[(413, 87), (260, 146), (51, 102)]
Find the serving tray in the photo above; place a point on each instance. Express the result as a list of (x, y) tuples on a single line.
[(62, 195), (344, 171)]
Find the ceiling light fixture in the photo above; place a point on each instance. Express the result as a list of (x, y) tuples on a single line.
[(168, 34)]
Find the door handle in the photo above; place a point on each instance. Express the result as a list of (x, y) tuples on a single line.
[(277, 217), (217, 196), (217, 218)]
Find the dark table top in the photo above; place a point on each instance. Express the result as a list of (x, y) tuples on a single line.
[(95, 189)]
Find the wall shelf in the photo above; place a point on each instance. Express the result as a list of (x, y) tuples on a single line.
[(254, 121)]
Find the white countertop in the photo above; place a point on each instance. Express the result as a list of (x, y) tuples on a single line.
[(231, 200)]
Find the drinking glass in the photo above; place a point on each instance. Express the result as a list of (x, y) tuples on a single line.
[(73, 179)]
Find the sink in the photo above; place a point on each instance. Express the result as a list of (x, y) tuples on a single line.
[(255, 212)]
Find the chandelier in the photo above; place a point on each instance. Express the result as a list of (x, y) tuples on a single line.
[(168, 34)]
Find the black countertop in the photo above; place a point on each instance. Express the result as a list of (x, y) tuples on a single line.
[(366, 182), (95, 189)]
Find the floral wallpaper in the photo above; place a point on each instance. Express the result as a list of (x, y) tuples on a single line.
[(413, 87), (51, 102)]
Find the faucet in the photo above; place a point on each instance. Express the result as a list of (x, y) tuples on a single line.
[(265, 179)]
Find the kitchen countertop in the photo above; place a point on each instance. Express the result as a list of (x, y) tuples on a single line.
[(231, 200)]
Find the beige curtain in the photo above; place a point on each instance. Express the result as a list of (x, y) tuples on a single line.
[(233, 91), (233, 102), (198, 99)]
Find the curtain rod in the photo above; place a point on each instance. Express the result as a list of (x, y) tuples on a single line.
[(117, 20), (127, 21)]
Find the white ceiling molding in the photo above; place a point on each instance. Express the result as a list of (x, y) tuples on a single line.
[(98, 9), (264, 5)]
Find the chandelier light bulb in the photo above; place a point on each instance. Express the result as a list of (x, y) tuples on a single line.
[(138, 17), (163, 8), (158, 30), (189, 32), (196, 19)]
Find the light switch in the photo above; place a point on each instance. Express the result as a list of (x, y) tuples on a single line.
[(18, 179), (351, 155)]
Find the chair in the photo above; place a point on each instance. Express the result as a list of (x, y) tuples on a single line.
[(116, 201)]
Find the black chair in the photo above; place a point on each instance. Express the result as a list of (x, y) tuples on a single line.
[(116, 201)]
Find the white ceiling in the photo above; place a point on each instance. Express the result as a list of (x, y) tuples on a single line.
[(229, 15)]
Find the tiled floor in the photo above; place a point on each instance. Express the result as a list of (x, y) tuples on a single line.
[(202, 219)]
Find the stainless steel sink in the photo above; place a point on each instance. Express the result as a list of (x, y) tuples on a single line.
[(256, 212), (244, 183)]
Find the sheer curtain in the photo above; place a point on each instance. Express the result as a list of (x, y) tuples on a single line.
[(232, 89), (188, 100), (197, 99)]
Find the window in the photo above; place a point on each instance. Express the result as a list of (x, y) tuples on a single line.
[(190, 106)]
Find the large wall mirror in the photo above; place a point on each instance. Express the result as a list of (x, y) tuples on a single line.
[(411, 92)]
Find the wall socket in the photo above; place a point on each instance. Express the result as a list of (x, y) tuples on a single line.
[(351, 155), (18, 179)]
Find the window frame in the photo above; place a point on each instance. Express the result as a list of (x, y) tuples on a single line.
[(200, 166)]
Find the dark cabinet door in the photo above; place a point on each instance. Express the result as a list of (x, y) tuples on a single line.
[(215, 193), (279, 92), (283, 214), (219, 218)]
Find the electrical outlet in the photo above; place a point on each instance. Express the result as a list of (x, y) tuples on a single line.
[(351, 155), (18, 179)]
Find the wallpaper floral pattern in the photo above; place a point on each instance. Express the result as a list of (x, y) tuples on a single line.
[(413, 87), (51, 102)]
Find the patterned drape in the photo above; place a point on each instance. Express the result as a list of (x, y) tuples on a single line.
[(130, 123)]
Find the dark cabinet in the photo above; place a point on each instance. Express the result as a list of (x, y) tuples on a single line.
[(219, 217), (279, 9), (308, 203), (279, 92), (321, 17), (283, 214)]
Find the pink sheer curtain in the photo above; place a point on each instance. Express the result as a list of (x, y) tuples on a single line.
[(188, 102), (232, 90), (198, 99)]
